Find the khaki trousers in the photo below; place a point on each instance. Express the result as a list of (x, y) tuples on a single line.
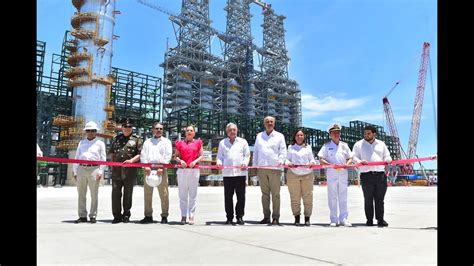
[(164, 196), (84, 180), (300, 186), (269, 180)]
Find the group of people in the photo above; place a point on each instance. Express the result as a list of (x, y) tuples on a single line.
[(270, 155)]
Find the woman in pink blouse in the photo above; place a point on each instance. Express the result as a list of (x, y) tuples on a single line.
[(188, 154)]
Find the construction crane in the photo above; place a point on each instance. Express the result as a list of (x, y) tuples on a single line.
[(415, 124), (420, 93), (392, 126), (263, 5)]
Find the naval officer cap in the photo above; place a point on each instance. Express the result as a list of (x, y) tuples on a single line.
[(334, 127)]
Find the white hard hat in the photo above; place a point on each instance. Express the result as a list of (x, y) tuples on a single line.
[(91, 125), (153, 180)]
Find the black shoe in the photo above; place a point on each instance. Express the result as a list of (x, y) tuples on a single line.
[(117, 220), (164, 220), (265, 221), (275, 222), (240, 221), (146, 220), (93, 220), (382, 223), (81, 220), (229, 221), (297, 220), (306, 221), (126, 219), (369, 223)]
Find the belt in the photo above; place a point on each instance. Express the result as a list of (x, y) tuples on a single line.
[(87, 165), (373, 172)]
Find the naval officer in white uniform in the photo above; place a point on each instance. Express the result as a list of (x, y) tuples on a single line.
[(336, 152)]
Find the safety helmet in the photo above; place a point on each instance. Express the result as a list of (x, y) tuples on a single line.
[(153, 180)]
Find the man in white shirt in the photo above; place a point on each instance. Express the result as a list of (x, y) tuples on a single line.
[(234, 151), (373, 178), (88, 175), (269, 150), (156, 150), (336, 152)]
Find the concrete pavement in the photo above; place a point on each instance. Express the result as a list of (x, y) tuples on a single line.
[(411, 237)]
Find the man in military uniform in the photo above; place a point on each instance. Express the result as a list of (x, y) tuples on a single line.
[(336, 152), (125, 148)]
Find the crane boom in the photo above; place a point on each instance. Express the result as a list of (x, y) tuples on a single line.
[(418, 106), (392, 126)]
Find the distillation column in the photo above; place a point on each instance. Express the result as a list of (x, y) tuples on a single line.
[(89, 75)]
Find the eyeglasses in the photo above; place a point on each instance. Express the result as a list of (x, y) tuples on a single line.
[(127, 126), (158, 128), (91, 130)]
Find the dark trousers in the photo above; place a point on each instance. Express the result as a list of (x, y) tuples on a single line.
[(237, 184), (117, 185), (374, 186)]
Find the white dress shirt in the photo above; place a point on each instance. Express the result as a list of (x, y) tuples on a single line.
[(269, 149), (39, 153), (377, 151), (335, 154), (235, 154), (92, 150), (300, 155), (156, 150)]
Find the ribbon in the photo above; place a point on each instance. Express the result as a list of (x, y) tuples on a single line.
[(157, 165)]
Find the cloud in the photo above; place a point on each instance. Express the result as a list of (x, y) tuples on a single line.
[(294, 41), (313, 106)]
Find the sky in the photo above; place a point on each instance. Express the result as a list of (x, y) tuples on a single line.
[(346, 55)]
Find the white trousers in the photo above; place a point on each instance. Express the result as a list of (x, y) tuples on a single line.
[(337, 192), (188, 181)]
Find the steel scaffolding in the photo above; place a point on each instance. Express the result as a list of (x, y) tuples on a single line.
[(40, 52), (136, 95), (240, 93), (133, 94), (192, 75), (282, 96)]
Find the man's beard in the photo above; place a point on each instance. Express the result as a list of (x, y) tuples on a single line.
[(369, 139)]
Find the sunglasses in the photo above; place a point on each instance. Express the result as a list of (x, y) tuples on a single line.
[(158, 128), (91, 130), (127, 126)]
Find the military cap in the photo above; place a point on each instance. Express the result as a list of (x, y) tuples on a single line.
[(126, 121)]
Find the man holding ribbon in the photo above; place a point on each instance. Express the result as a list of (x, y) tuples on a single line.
[(373, 178), (89, 175), (338, 153), (125, 148), (234, 151), (157, 149)]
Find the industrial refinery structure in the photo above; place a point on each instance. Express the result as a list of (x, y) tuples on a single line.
[(198, 87)]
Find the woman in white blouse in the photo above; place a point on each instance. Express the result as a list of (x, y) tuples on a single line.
[(300, 178)]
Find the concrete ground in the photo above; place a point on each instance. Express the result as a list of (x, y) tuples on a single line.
[(411, 237)]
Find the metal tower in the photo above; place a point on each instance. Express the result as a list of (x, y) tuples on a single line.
[(239, 96), (282, 97), (93, 25), (192, 74)]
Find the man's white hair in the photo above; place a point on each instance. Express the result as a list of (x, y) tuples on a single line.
[(269, 116), (230, 125)]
